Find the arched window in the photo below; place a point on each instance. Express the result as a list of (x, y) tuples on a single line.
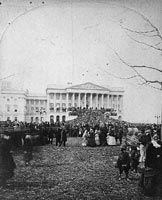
[(37, 119), (57, 118), (51, 107), (63, 118), (57, 107), (51, 118)]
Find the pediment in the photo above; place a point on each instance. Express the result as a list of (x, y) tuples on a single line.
[(88, 86)]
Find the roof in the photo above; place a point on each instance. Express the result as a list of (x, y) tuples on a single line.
[(85, 86), (89, 86)]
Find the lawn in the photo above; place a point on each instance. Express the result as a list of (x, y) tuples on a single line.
[(71, 172)]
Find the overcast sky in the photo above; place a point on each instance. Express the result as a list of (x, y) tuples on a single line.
[(56, 42)]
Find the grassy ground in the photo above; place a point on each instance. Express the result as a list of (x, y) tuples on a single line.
[(71, 172)]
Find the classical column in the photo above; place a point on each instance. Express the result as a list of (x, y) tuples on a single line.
[(60, 102), (54, 101), (97, 100), (48, 110), (110, 101), (85, 96), (78, 99), (121, 103), (91, 100), (117, 101), (107, 104), (67, 100), (73, 99), (102, 100)]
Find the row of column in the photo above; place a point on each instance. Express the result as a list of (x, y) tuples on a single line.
[(108, 100)]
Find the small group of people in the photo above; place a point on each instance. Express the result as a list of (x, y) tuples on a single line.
[(127, 160), (145, 159), (101, 135)]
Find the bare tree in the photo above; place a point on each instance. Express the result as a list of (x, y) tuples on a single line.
[(151, 38)]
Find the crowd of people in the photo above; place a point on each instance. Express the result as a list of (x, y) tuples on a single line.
[(141, 147)]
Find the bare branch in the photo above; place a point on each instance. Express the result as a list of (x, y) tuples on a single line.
[(119, 77), (144, 66), (144, 43), (148, 84), (142, 33), (139, 32), (133, 67), (6, 77), (146, 19)]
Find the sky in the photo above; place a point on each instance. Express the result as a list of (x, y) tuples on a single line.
[(60, 42)]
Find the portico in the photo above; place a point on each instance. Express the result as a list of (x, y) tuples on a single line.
[(86, 95)]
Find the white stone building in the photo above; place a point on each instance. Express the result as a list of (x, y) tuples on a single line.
[(23, 106)]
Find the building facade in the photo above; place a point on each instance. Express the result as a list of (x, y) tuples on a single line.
[(55, 104)]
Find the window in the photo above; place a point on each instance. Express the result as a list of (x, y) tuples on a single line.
[(8, 99), (51, 106), (63, 118), (15, 107), (57, 105), (64, 96), (31, 119), (63, 105), (37, 119), (51, 95), (37, 109), (41, 102), (42, 109), (57, 118), (8, 108), (57, 96), (70, 97), (32, 101), (51, 118), (36, 102), (32, 109)]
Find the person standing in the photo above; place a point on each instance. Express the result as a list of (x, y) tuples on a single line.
[(7, 164), (58, 135), (123, 162), (134, 154), (63, 136), (28, 150), (50, 135)]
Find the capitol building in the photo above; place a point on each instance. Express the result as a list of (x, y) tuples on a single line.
[(54, 105)]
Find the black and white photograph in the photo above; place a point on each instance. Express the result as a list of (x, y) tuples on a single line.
[(81, 99)]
